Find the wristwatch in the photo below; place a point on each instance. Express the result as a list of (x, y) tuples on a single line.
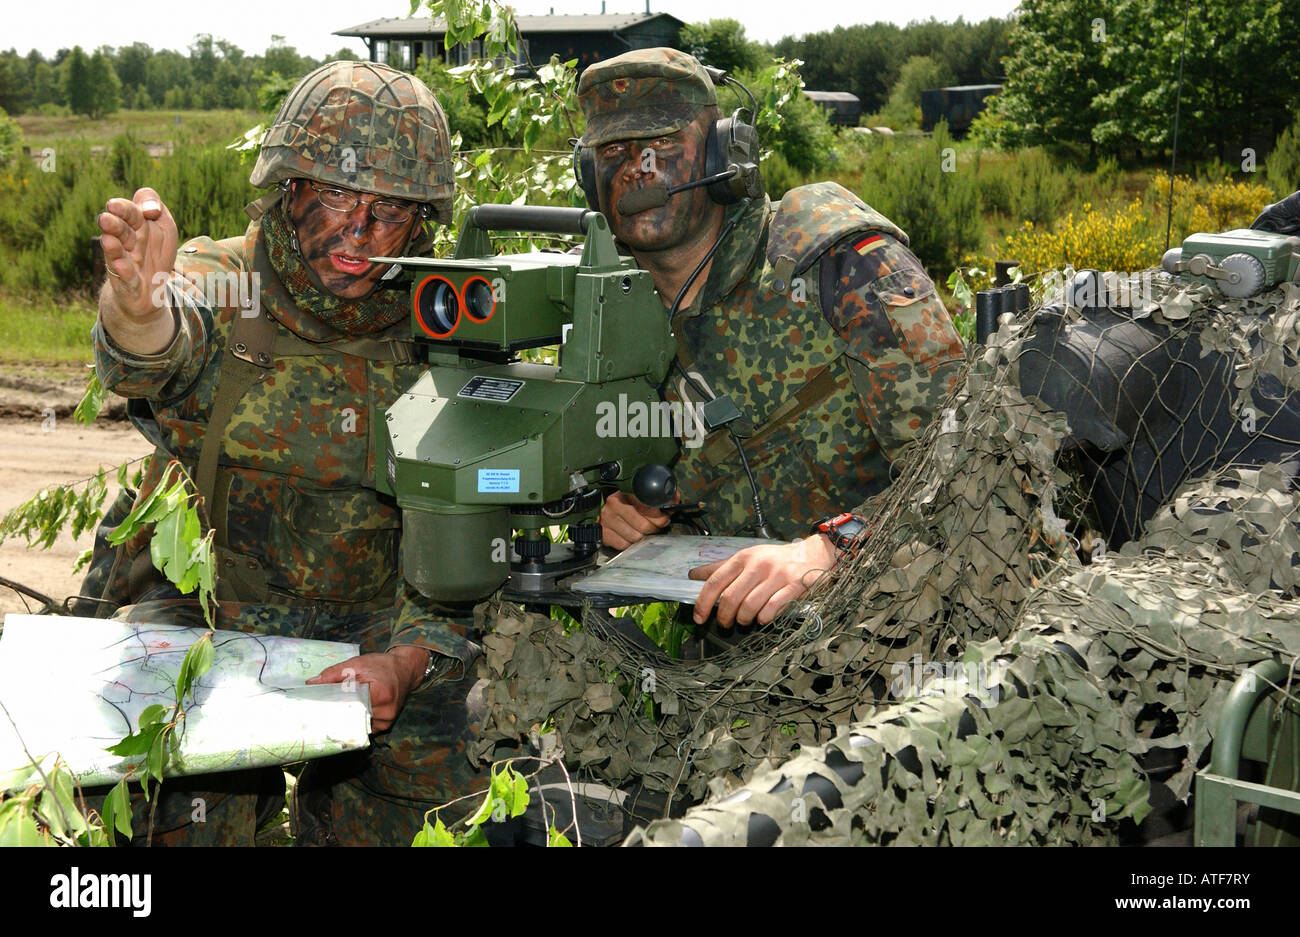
[(845, 531)]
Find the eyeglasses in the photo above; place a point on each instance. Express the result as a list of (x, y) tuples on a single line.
[(382, 210)]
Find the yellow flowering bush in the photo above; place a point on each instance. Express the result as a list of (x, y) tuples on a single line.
[(1102, 239), (1207, 205)]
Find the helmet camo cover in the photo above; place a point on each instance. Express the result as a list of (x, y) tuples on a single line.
[(364, 126)]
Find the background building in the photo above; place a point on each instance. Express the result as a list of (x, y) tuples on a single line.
[(402, 42)]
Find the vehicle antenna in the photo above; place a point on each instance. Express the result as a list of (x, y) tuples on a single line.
[(1178, 100)]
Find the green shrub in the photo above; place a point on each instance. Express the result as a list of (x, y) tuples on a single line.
[(466, 113), (788, 121), (1024, 185), (47, 219), (780, 177), (1107, 172), (1044, 188), (903, 109), (939, 209), (1282, 166), (11, 139)]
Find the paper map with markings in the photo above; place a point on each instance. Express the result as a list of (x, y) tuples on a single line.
[(77, 685), (657, 567)]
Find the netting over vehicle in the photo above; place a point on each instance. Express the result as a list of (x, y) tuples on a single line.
[(1088, 545)]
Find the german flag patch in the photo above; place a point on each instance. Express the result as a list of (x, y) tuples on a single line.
[(869, 243)]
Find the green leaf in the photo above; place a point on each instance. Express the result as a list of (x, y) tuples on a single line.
[(92, 400), (206, 567), (198, 660), (157, 756), (555, 838), (132, 522), (436, 835), (511, 788), (117, 810), (137, 743), (150, 715), (499, 109), (532, 130), (17, 825), (474, 837), (484, 812)]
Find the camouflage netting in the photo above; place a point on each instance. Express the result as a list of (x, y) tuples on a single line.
[(988, 669)]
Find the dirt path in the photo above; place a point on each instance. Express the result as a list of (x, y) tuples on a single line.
[(35, 454), (34, 391)]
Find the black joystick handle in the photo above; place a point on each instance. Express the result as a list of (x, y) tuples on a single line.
[(654, 485)]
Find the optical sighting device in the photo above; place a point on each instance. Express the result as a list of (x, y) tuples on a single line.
[(485, 444)]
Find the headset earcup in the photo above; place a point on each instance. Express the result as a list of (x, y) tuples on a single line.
[(715, 161), (584, 169), (733, 142)]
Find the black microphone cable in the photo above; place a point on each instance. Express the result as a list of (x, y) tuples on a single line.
[(760, 519)]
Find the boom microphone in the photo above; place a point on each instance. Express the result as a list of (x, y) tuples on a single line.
[(656, 193), (652, 196)]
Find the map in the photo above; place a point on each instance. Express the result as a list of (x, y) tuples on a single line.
[(657, 567), (76, 686)]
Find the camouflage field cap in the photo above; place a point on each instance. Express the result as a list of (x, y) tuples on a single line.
[(643, 93), (364, 126)]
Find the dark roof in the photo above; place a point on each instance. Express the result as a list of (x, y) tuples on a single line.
[(429, 26)]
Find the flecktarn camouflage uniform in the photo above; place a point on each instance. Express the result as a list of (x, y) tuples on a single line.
[(306, 546), (816, 320), (816, 288)]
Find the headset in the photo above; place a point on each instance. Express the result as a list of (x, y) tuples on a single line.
[(730, 161)]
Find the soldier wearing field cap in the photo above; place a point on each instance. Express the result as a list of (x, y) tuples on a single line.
[(810, 314)]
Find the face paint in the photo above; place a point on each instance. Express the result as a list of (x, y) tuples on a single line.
[(621, 168), (336, 245)]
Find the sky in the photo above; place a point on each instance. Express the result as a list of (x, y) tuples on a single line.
[(249, 24)]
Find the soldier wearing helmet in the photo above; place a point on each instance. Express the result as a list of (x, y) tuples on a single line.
[(267, 390), (811, 315)]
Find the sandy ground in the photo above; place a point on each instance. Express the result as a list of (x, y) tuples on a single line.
[(35, 453)]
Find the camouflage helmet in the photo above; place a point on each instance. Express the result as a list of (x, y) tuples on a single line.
[(364, 126)]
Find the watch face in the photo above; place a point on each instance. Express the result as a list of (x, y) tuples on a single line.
[(848, 533)]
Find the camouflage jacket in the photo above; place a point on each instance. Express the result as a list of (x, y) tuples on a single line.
[(819, 282), (297, 461)]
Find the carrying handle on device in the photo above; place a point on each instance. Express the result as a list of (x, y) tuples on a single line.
[(540, 219)]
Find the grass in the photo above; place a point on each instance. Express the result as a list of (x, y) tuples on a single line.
[(224, 126), (44, 330)]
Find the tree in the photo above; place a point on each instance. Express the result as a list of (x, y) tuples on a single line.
[(283, 59), (132, 66), (105, 88), (867, 59), (15, 83), (721, 43), (1109, 80), (76, 83), (167, 71), (46, 87), (919, 73)]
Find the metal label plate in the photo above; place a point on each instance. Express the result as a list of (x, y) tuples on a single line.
[(499, 389)]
